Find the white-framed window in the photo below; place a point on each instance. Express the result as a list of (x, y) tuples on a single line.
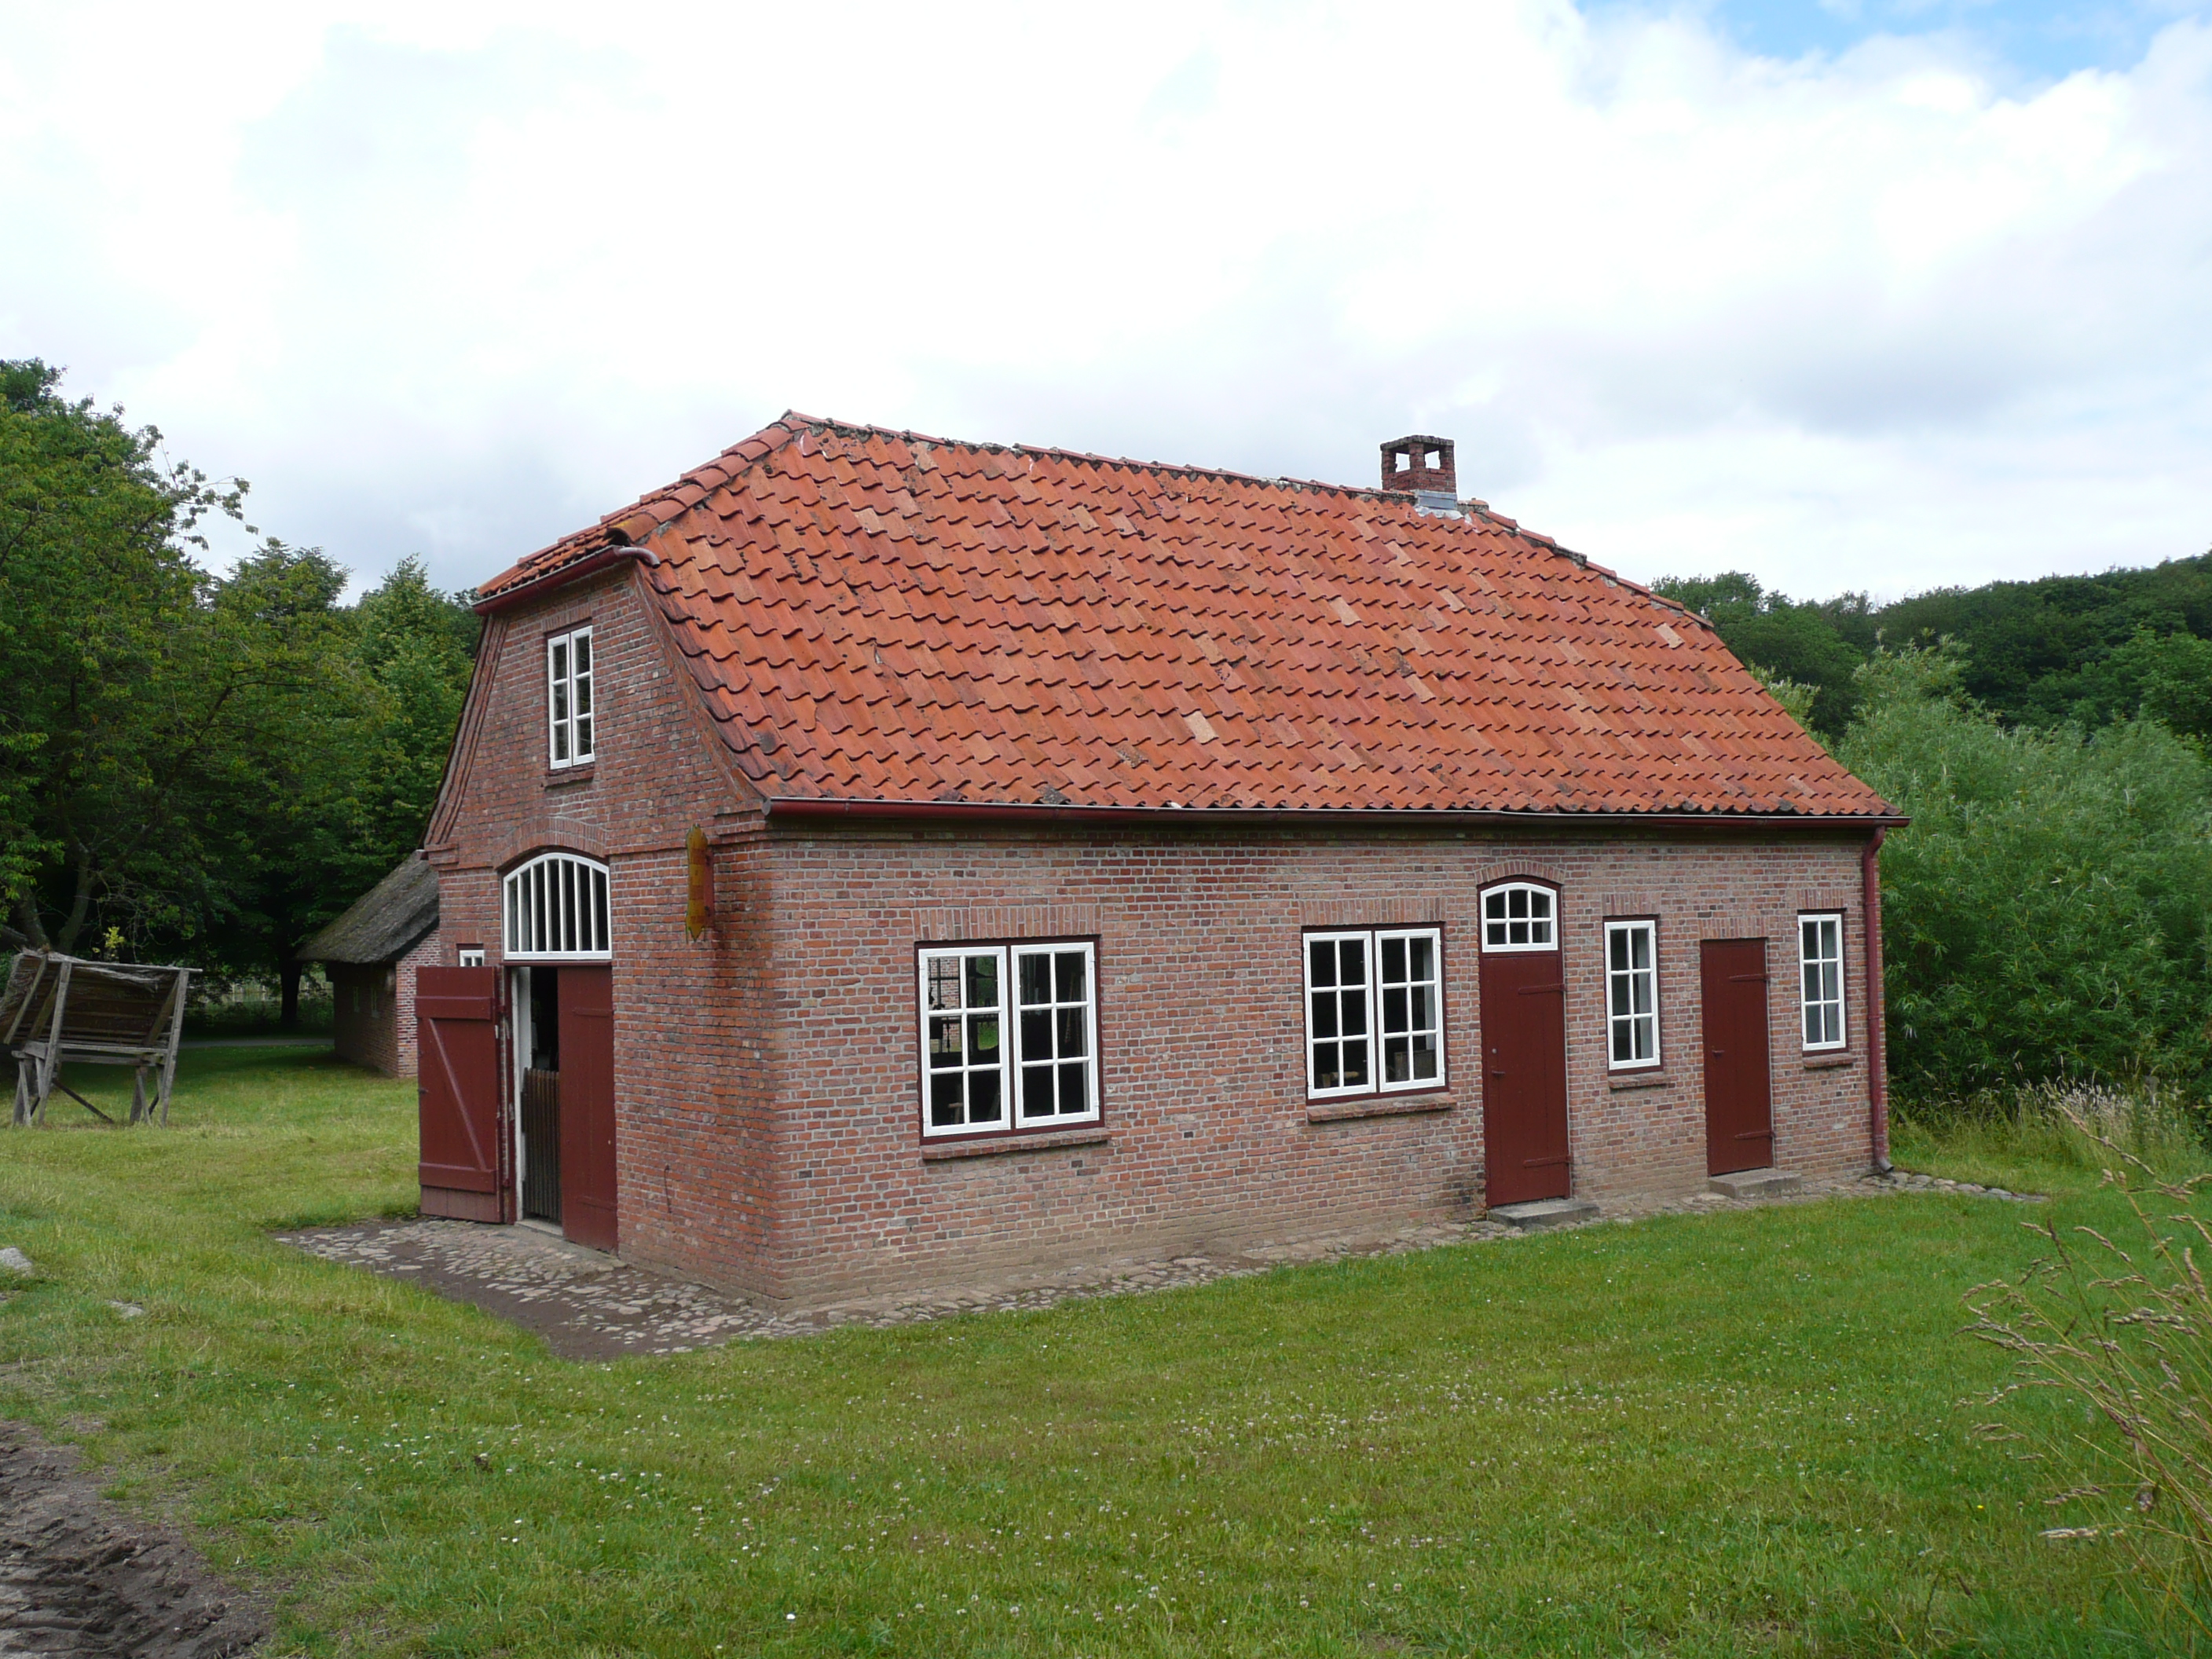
[(1632, 994), (1520, 916), (1821, 964), (469, 955), (568, 697), (556, 910), (1375, 1021), (1009, 1036)]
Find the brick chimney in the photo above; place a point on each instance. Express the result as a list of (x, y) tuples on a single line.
[(1423, 467)]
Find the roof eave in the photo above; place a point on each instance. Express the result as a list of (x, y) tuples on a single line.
[(590, 564), (819, 809)]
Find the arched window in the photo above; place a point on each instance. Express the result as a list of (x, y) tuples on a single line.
[(1519, 916), (556, 908)]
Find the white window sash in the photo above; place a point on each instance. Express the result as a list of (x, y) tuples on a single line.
[(1504, 892), (1820, 984), (1379, 990), (571, 708), (1008, 1070), (583, 707), (558, 907), (1365, 939), (1018, 1057), (1615, 1016)]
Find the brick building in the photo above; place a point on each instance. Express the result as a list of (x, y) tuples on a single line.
[(371, 953), (898, 860)]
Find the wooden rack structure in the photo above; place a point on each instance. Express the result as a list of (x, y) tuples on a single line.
[(57, 1008)]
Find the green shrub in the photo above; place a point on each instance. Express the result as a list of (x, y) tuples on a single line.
[(2045, 915)]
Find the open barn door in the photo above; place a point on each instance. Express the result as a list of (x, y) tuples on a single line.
[(457, 1020)]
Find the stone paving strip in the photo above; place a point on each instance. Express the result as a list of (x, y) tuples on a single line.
[(588, 1305)]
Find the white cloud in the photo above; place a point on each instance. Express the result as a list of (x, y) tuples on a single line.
[(456, 279)]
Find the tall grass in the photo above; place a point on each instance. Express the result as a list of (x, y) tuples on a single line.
[(2072, 1126), (2122, 1323)]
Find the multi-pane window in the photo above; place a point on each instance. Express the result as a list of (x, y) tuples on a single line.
[(1820, 963), (1520, 916), (557, 907), (1374, 1010), (1631, 993), (1009, 1037), (469, 955), (568, 696)]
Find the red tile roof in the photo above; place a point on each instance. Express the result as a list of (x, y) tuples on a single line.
[(875, 615)]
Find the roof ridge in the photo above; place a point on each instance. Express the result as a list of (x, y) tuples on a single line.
[(1283, 480)]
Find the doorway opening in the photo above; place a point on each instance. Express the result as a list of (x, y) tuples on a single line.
[(538, 1048)]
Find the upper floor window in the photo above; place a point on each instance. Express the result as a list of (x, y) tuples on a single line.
[(1520, 916), (1631, 993), (568, 696), (556, 908), (1009, 1036), (1374, 1010), (1820, 964)]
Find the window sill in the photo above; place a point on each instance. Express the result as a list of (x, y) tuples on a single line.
[(1639, 1080), (1829, 1063), (1006, 1146), (1355, 1109), (555, 777)]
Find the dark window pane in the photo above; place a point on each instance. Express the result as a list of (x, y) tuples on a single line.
[(945, 1100), (982, 1097), (983, 982), (1394, 1010), (1354, 1012), (1036, 1091), (982, 1039), (1425, 1057), (1424, 958), (1325, 1066), (1351, 962), (1397, 1061), (1323, 962), (1324, 1014), (1036, 981), (1068, 966), (944, 1042), (1071, 1045), (1425, 1014), (1394, 960), (1355, 1065), (1073, 1096), (1036, 1034), (583, 653)]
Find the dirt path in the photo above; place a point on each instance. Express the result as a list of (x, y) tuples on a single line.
[(80, 1578)]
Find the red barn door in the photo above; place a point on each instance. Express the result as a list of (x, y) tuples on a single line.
[(1524, 1075), (457, 1092), (1739, 1095), (587, 1106)]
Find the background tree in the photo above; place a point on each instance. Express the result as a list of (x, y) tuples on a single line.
[(104, 646), (212, 768)]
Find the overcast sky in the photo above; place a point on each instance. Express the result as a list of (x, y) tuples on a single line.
[(1874, 295)]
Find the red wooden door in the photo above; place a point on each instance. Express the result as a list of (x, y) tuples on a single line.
[(1524, 1075), (587, 1106), (1738, 1095), (457, 1092)]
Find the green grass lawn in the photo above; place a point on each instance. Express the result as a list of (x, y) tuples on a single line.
[(1739, 1433)]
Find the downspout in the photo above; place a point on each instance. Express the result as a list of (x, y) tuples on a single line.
[(1877, 1054)]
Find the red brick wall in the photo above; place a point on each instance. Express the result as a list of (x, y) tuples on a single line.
[(1202, 1027), (765, 1076), (373, 1018), (692, 1128)]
